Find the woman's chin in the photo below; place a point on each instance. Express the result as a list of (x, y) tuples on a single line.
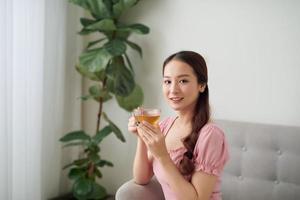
[(175, 107)]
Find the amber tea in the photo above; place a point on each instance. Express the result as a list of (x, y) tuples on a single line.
[(149, 115), (150, 119)]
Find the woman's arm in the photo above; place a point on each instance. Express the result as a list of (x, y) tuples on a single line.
[(200, 187), (142, 165)]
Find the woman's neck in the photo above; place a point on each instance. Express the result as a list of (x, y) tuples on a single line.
[(185, 118)]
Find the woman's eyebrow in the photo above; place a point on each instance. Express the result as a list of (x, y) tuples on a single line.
[(180, 76)]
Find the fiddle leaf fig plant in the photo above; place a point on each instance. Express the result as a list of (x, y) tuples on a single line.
[(104, 61)]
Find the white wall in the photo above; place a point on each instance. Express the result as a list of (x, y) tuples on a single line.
[(251, 48)]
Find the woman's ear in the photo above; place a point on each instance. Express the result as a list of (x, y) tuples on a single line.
[(202, 87)]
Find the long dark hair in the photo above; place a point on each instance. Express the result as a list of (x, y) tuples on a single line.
[(202, 110)]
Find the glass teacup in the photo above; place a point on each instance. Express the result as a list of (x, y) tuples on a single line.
[(151, 115)]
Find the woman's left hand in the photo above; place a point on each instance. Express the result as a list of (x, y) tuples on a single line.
[(153, 138)]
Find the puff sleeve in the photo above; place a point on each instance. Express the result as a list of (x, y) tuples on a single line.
[(211, 150)]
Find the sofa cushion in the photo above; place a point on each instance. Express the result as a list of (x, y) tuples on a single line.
[(264, 161)]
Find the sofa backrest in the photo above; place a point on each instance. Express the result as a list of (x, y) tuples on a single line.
[(264, 162)]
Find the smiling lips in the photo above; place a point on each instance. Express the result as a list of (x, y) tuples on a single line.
[(176, 99)]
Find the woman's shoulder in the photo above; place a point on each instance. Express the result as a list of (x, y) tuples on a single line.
[(166, 120), (211, 130), (211, 150)]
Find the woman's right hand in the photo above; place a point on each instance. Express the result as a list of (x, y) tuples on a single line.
[(132, 125)]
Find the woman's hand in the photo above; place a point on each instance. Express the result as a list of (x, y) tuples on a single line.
[(153, 138), (132, 125), (142, 165)]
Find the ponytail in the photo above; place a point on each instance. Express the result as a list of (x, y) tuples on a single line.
[(200, 118)]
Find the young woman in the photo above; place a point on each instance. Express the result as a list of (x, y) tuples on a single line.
[(187, 153)]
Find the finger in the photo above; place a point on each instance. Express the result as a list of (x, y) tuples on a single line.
[(132, 122), (147, 130), (132, 129), (150, 127), (131, 126), (143, 138), (147, 137), (131, 119)]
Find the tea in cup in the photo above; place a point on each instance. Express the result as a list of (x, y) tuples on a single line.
[(151, 115)]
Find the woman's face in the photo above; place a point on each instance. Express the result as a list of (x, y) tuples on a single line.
[(180, 86)]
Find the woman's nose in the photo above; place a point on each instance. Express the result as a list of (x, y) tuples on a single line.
[(174, 88)]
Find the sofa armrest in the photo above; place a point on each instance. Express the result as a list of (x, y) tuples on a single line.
[(133, 191)]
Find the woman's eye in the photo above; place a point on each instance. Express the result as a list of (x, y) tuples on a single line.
[(167, 82), (183, 81)]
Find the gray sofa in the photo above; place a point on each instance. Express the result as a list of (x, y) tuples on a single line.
[(264, 164)]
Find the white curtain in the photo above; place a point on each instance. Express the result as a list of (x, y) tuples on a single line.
[(39, 90)]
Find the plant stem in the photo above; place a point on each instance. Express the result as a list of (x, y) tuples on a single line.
[(100, 106), (91, 169), (99, 115)]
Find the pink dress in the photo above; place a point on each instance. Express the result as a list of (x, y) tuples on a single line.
[(210, 156)]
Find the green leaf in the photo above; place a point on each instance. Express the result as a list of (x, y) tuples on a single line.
[(82, 187), (92, 148), (98, 173), (129, 63), (114, 128), (98, 8), (68, 165), (76, 173), (86, 21), (135, 28), (94, 157), (86, 97), (135, 47), (85, 31), (102, 134), (94, 42), (73, 144), (115, 47), (102, 163), (97, 93), (80, 162), (118, 9), (76, 135), (124, 82), (94, 60), (123, 79), (95, 76), (103, 25), (98, 192), (132, 101), (123, 35), (122, 5), (110, 85)]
